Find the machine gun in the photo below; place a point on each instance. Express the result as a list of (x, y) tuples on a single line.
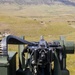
[(42, 54), (35, 58)]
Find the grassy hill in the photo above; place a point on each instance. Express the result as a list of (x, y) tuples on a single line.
[(32, 21)]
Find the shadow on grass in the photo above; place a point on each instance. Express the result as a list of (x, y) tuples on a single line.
[(67, 2)]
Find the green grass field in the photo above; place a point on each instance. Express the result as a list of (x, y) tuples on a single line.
[(36, 20)]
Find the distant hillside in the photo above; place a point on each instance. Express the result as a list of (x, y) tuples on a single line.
[(67, 2)]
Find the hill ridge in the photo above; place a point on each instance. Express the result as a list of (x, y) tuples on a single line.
[(67, 2)]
